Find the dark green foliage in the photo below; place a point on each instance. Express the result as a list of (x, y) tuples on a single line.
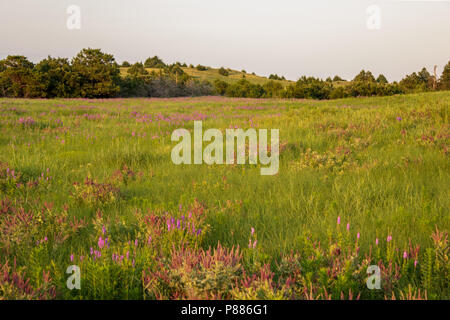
[(309, 87), (338, 93), (137, 70), (337, 78), (425, 76), (367, 89), (16, 77), (444, 82), (54, 78), (201, 68), (154, 62), (416, 82), (364, 76), (276, 77), (382, 79), (224, 72), (273, 89), (220, 87), (96, 74), (163, 86), (244, 88)]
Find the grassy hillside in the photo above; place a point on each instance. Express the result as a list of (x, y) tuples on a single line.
[(212, 74)]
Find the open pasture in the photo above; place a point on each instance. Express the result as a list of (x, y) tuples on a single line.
[(91, 183)]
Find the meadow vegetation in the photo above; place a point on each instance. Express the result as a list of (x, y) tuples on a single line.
[(90, 182)]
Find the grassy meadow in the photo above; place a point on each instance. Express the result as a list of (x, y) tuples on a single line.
[(362, 181)]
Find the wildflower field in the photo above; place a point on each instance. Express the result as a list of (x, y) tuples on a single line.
[(362, 181)]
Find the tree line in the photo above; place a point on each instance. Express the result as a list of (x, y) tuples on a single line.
[(364, 84), (95, 74)]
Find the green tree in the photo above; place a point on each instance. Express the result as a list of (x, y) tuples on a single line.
[(53, 77), (224, 72), (175, 72), (364, 76), (220, 87), (425, 76), (201, 68), (126, 64), (154, 62), (444, 81), (382, 79), (245, 89), (96, 73), (275, 77), (137, 70), (273, 89)]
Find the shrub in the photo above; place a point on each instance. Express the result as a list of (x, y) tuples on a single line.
[(14, 285), (222, 71), (201, 68), (154, 62), (94, 193)]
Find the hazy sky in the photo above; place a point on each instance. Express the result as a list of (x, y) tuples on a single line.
[(288, 37)]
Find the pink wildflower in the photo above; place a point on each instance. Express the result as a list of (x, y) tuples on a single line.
[(101, 243)]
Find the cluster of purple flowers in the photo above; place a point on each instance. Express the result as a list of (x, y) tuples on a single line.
[(28, 121), (182, 224)]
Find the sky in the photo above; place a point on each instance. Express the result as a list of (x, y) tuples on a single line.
[(318, 38)]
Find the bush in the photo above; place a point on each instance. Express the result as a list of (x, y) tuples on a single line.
[(276, 77), (222, 71), (137, 70), (201, 68), (245, 89), (154, 62)]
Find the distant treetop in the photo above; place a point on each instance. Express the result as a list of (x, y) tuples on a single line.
[(154, 62)]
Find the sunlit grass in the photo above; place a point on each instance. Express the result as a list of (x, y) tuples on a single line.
[(380, 164)]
